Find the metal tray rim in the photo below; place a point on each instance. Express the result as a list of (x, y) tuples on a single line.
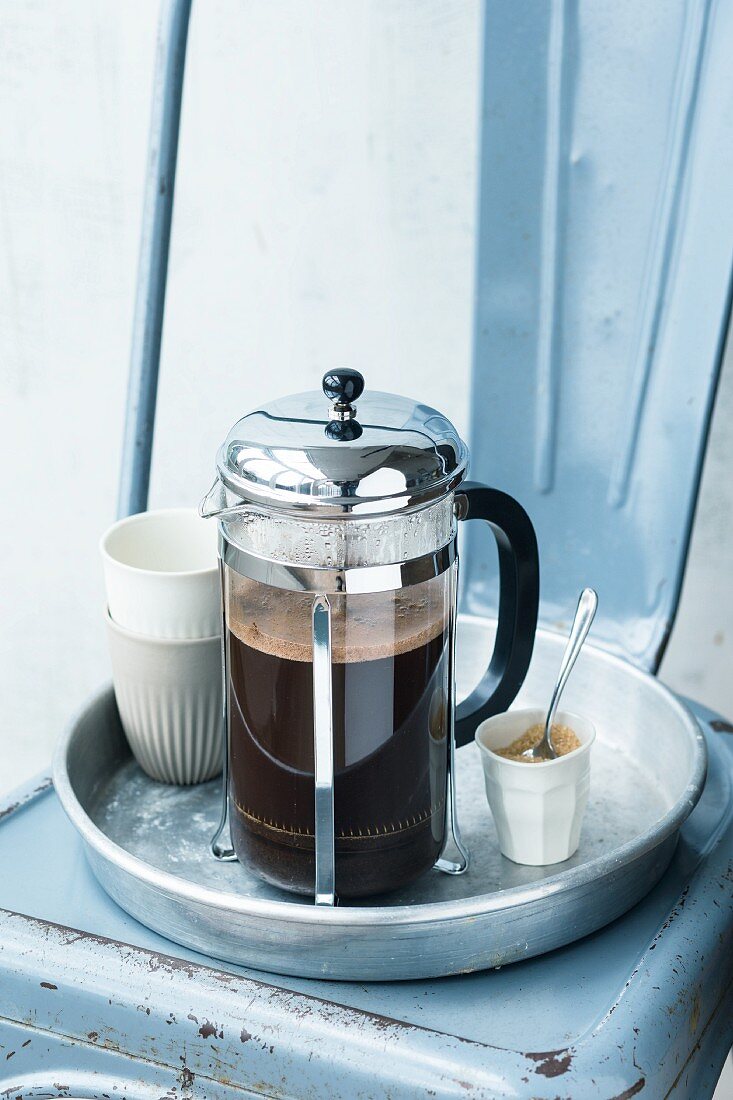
[(444, 911)]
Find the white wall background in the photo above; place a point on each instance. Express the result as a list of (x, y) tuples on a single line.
[(324, 214)]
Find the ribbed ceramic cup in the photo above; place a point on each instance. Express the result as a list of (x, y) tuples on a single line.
[(169, 697), (161, 574), (537, 808)]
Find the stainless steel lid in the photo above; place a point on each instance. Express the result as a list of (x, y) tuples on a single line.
[(342, 452)]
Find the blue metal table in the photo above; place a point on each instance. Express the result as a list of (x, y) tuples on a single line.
[(94, 1004)]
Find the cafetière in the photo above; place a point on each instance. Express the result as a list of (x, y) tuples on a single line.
[(338, 515)]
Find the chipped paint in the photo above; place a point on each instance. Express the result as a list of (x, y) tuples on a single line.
[(275, 1041), (695, 1013), (551, 1063), (15, 800), (261, 1033), (633, 1090), (208, 1029)]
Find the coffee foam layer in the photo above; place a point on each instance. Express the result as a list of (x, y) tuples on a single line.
[(366, 627)]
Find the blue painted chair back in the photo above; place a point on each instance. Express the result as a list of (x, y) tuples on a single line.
[(604, 257), (604, 245)]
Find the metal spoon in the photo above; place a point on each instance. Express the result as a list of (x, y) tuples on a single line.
[(584, 615)]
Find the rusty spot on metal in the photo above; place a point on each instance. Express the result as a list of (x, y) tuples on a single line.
[(48, 985), (675, 912), (9, 1055), (381, 1023), (171, 965), (695, 1013), (222, 976), (551, 1063), (27, 1043), (7, 810), (244, 1035), (69, 935), (721, 726), (634, 1090), (208, 1029), (698, 1044), (93, 1035)]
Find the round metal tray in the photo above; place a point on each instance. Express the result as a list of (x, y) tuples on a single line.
[(148, 843)]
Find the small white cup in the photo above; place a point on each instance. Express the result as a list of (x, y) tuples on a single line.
[(168, 694), (161, 574), (537, 808)]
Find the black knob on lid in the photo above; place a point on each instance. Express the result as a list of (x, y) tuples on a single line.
[(343, 386)]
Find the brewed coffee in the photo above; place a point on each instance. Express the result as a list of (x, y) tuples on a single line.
[(390, 714)]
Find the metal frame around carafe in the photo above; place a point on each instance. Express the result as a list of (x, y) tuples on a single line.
[(321, 582), (222, 847)]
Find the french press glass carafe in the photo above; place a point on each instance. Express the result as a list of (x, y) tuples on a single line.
[(337, 544)]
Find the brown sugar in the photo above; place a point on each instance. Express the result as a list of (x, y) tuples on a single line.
[(564, 740)]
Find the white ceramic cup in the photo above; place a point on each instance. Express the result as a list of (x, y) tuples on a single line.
[(161, 575), (168, 693), (537, 808)]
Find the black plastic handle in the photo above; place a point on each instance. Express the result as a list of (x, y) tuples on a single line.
[(519, 596)]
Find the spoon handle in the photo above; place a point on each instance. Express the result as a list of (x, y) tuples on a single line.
[(584, 616)]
